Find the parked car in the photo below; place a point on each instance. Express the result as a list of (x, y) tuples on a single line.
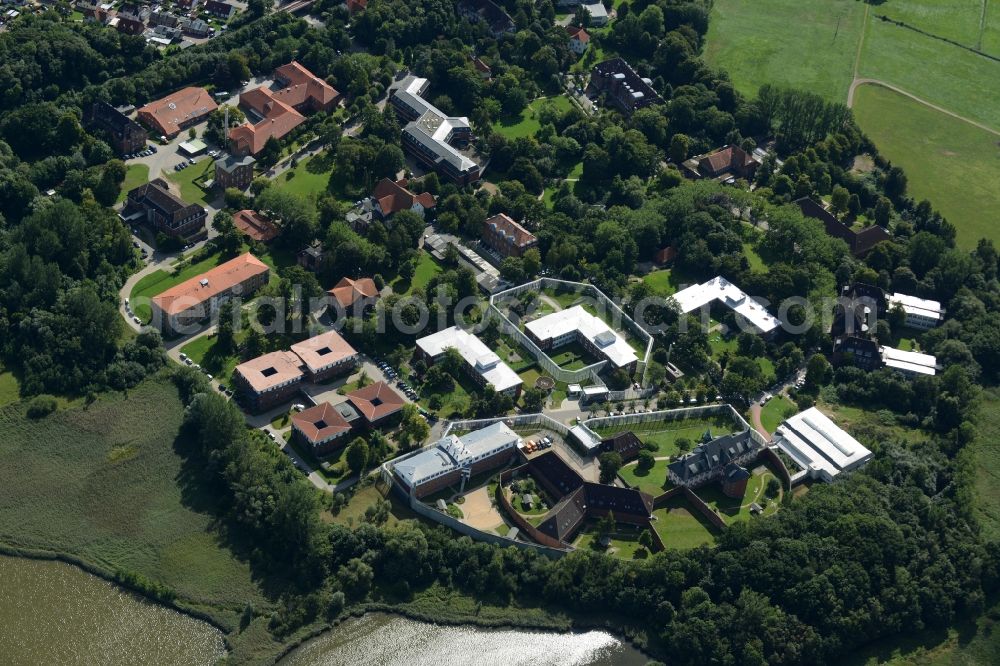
[(210, 377), (188, 361), (137, 320), (298, 407)]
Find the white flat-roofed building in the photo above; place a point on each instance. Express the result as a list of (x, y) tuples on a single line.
[(722, 290), (576, 324), (442, 465), (482, 363), (913, 364), (921, 313), (820, 446)]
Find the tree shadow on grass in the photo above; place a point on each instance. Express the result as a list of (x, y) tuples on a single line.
[(203, 492)]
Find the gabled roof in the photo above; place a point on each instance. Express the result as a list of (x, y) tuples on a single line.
[(320, 423), (514, 233), (713, 456), (256, 226), (376, 401), (348, 291), (626, 444), (210, 284), (729, 157), (577, 33), (393, 197), (170, 112)]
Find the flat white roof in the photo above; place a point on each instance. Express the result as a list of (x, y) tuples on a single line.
[(721, 289), (817, 443), (918, 306), (558, 324), (584, 436), (909, 361), (482, 359), (452, 452)]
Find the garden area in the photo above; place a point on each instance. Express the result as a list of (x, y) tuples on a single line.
[(623, 542), (681, 526), (427, 268), (760, 489), (665, 434), (528, 122), (652, 480), (308, 178)]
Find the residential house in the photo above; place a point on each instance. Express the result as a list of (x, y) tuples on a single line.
[(626, 444), (220, 9), (322, 428), (122, 133), (507, 237), (377, 403), (579, 40), (622, 86), (389, 198), (311, 258), (196, 28), (725, 164), (164, 18), (196, 299), (487, 11), (860, 242), (356, 6), (599, 16), (165, 212), (485, 71), (255, 226), (355, 296), (177, 111)]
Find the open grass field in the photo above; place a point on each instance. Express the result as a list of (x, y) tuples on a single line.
[(624, 541), (948, 162), (185, 179), (653, 481), (309, 177), (427, 268), (664, 434), (733, 509), (680, 526), (106, 484), (775, 411), (986, 453), (135, 175), (808, 44), (813, 44), (203, 352), (10, 389), (528, 123), (868, 427)]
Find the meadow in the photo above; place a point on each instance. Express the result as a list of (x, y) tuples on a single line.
[(527, 123), (101, 484), (814, 45), (948, 162), (680, 526)]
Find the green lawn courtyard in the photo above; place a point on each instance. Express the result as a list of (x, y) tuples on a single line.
[(309, 177), (427, 269), (775, 411), (681, 526), (203, 352), (572, 356), (135, 175), (653, 481), (664, 434), (189, 180), (732, 509), (624, 541), (528, 122)]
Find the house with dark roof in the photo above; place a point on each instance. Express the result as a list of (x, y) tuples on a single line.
[(220, 9), (621, 85), (860, 242), (858, 351), (234, 171), (489, 12), (714, 460), (378, 403), (390, 197), (507, 237), (121, 132), (164, 211), (311, 258), (725, 164), (626, 444)]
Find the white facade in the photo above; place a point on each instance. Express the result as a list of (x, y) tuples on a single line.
[(921, 313), (820, 446), (913, 364), (722, 290), (452, 453), (573, 323), (480, 358)]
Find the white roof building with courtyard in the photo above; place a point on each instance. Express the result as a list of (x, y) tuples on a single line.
[(480, 358), (452, 453), (722, 290), (819, 446), (575, 322)]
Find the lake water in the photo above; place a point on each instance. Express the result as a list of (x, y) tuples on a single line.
[(54, 613), (385, 640)]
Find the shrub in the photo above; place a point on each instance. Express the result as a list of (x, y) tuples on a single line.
[(41, 406)]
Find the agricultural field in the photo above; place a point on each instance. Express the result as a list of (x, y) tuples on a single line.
[(948, 161), (806, 44), (960, 178), (680, 526), (112, 489)]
